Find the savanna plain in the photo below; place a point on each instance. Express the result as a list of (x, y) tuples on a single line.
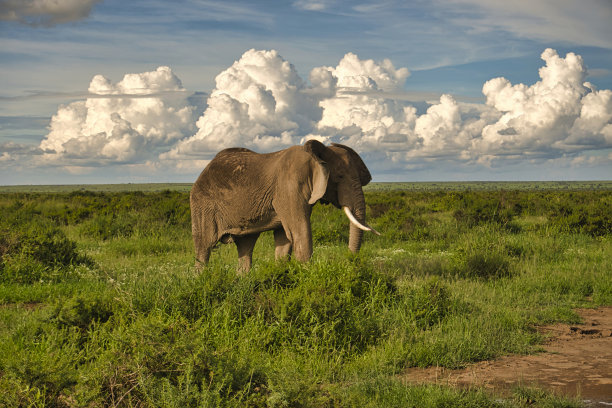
[(100, 303)]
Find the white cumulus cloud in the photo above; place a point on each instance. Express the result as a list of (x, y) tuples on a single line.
[(356, 111), (123, 122), (259, 102), (558, 114)]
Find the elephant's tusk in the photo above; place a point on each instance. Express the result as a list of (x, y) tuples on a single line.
[(372, 229), (356, 223)]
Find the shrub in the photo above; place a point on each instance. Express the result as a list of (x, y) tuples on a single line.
[(329, 306), (82, 310), (402, 224), (594, 218), (107, 226), (168, 360), (172, 209), (36, 251)]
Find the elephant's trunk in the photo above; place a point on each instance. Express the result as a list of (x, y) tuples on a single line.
[(355, 232), (355, 211)]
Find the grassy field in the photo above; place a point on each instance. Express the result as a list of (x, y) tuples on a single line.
[(100, 304)]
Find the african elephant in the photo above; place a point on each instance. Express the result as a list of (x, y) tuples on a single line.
[(241, 193)]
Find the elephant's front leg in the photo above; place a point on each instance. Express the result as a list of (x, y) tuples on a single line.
[(245, 245), (296, 222), (302, 243), (282, 244)]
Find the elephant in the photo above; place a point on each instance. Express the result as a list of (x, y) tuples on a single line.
[(241, 193)]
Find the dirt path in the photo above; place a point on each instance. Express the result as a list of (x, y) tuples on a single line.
[(577, 362)]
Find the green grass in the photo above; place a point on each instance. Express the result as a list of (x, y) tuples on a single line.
[(100, 304)]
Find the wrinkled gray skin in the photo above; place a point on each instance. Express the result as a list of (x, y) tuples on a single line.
[(241, 193)]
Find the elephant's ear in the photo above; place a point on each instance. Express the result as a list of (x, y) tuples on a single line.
[(364, 174), (320, 173)]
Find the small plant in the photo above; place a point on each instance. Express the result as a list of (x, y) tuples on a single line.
[(107, 226), (486, 265), (429, 304), (527, 397), (594, 218), (82, 310)]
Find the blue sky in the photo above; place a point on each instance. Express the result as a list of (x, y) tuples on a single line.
[(56, 128)]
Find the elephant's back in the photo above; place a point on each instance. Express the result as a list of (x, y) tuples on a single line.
[(231, 172)]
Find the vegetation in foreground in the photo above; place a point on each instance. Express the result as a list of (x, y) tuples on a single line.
[(100, 304)]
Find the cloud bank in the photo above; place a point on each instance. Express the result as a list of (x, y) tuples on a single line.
[(262, 103), (45, 12)]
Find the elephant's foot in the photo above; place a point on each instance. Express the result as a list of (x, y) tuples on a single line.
[(244, 265), (245, 245), (282, 244)]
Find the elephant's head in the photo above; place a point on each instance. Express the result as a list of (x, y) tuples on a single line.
[(347, 175)]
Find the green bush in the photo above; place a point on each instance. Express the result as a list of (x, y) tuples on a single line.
[(36, 251), (166, 359), (82, 310), (399, 224), (172, 209), (594, 218), (328, 306), (39, 366), (108, 226)]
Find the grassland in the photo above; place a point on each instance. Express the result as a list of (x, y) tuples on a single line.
[(100, 304)]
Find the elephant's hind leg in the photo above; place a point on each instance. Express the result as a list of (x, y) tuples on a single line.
[(282, 244), (245, 245), (204, 238), (202, 250)]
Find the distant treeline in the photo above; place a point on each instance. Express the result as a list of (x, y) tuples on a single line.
[(374, 186), (491, 185)]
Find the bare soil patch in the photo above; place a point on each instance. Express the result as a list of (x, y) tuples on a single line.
[(577, 362)]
